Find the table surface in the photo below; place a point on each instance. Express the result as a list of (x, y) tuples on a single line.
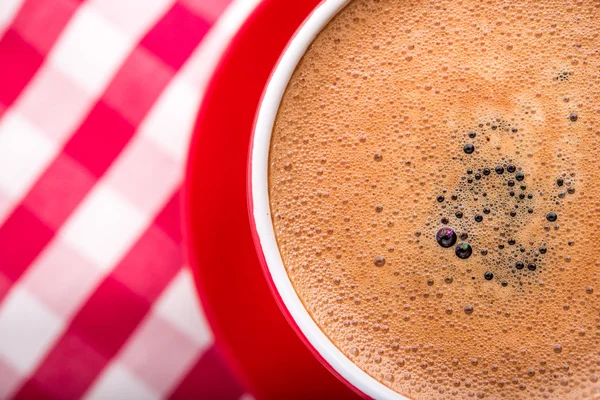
[(97, 103)]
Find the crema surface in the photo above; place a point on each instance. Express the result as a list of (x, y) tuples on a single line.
[(434, 184)]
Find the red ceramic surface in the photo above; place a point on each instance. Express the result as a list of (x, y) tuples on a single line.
[(249, 328)]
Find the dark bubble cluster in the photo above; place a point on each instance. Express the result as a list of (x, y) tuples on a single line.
[(563, 76), (511, 210)]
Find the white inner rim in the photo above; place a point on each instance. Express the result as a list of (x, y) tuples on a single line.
[(262, 213)]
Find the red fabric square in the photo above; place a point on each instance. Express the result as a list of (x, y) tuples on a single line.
[(31, 390), (169, 219), (41, 21), (210, 377), (18, 62), (176, 35), (109, 317), (22, 237), (67, 371), (138, 84), (150, 264), (59, 190), (100, 138)]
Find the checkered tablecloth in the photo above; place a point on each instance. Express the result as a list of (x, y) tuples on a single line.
[(97, 103)]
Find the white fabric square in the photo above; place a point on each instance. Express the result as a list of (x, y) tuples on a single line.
[(28, 330), (25, 152), (132, 16), (8, 11), (178, 304), (171, 119), (103, 227), (116, 382), (90, 50)]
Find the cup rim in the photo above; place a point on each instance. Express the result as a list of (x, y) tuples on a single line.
[(260, 214)]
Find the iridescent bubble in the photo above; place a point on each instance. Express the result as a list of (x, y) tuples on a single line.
[(463, 250), (446, 237)]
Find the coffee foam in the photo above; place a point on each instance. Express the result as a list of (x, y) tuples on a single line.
[(371, 131)]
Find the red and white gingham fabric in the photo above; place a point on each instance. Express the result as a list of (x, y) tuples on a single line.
[(97, 102)]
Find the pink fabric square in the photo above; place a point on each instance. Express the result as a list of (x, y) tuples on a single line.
[(41, 21), (208, 9), (59, 190), (150, 264), (66, 372), (73, 278), (9, 380), (131, 16), (137, 85), (5, 284), (145, 174), (208, 376), (159, 354), (54, 103), (6, 206)]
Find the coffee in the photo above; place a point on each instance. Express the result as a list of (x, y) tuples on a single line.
[(434, 184)]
